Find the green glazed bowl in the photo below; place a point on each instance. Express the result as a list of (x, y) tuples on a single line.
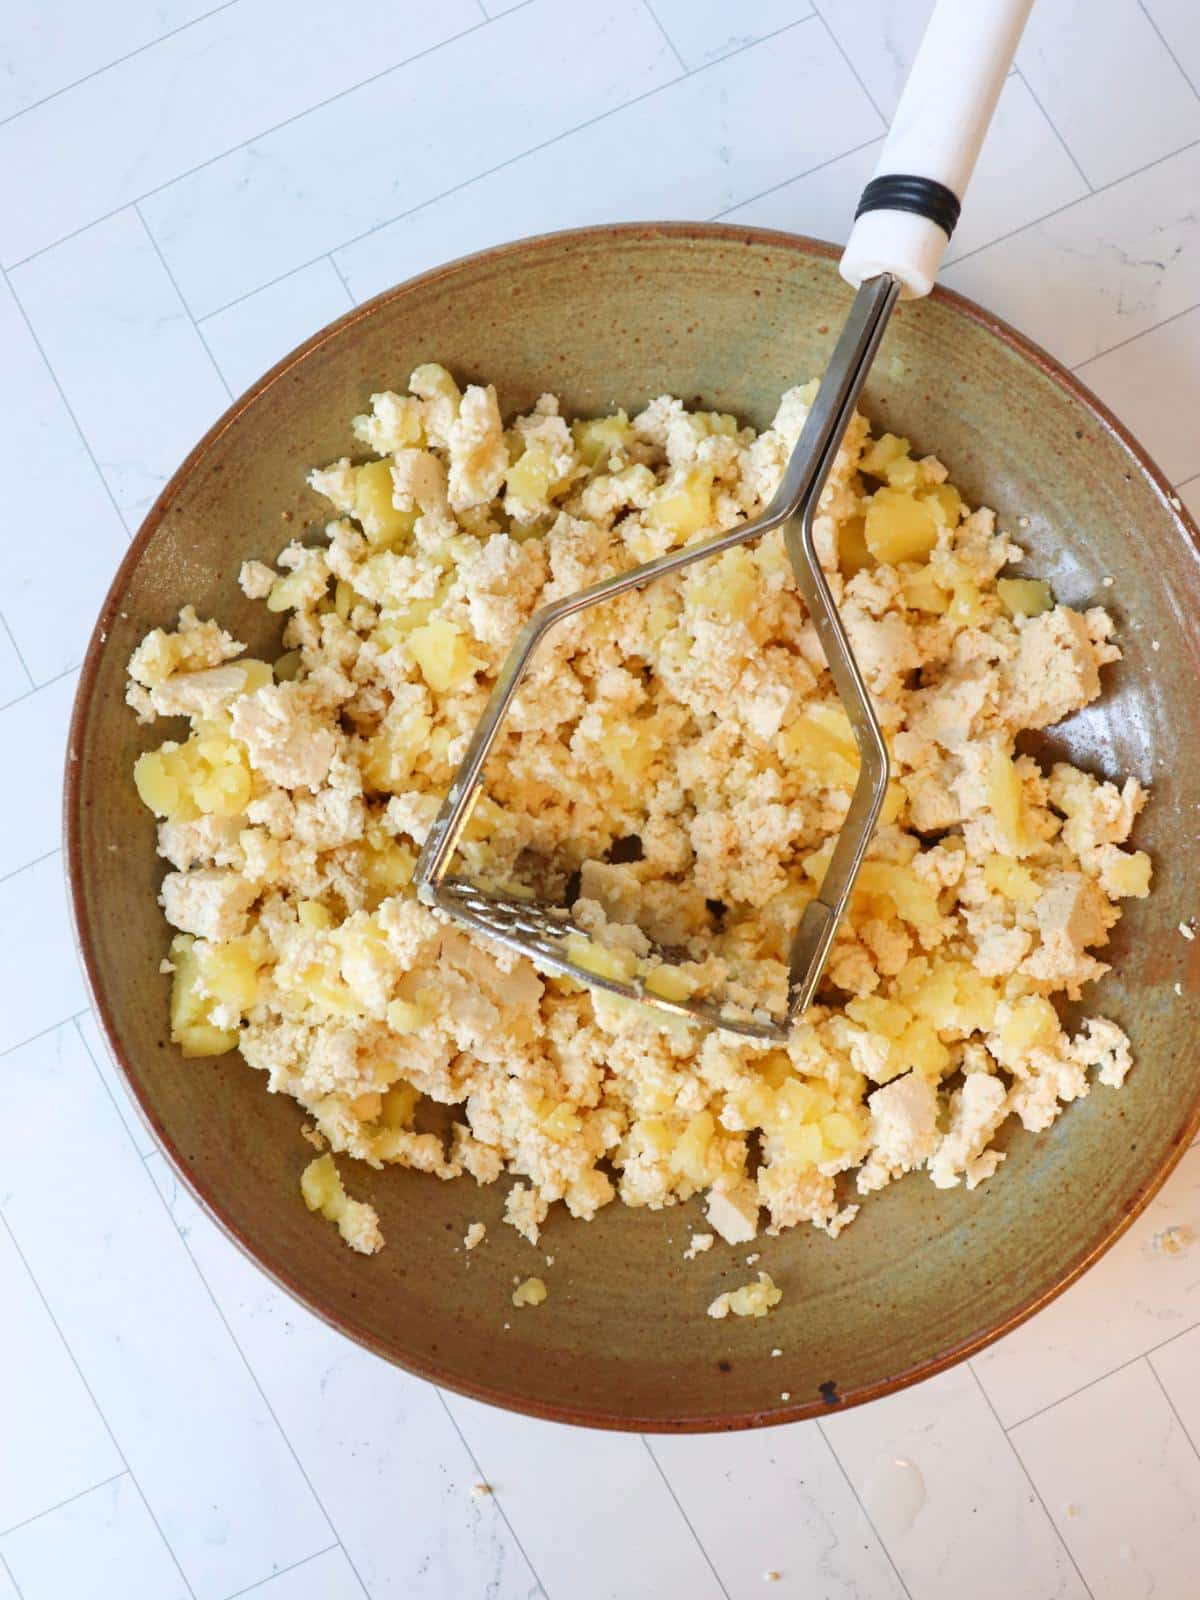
[(727, 318)]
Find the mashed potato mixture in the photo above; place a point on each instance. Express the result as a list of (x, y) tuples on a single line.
[(677, 766)]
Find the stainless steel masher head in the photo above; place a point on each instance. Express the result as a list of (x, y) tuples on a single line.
[(902, 226)]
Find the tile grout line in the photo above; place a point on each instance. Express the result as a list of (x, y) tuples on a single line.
[(421, 204), (220, 1313), (1157, 1376), (118, 61), (58, 1506), (687, 1521), (1028, 1476), (121, 1456), (183, 305), (483, 1478), (1058, 211), (8, 1571), (27, 866), (1142, 1355), (501, 166), (1134, 337), (341, 276), (107, 1087), (1162, 39), (282, 1571), (62, 394), (27, 694), (244, 144), (13, 641), (797, 177), (1054, 129), (270, 1409), (670, 43), (853, 70), (62, 1022), (819, 1424)]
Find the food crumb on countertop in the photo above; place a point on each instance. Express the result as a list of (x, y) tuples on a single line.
[(1173, 1241), (776, 1352), (530, 1293), (481, 1490), (1186, 931), (700, 1243), (475, 1234)]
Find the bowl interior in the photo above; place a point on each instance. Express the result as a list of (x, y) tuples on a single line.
[(729, 319)]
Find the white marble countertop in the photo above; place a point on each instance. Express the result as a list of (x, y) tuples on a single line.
[(188, 189)]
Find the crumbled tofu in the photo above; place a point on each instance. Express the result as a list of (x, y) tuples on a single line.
[(684, 749), (478, 454), (529, 1293), (977, 1109), (287, 735), (751, 1300), (256, 579), (903, 1129), (733, 1212), (211, 902), (475, 1234)]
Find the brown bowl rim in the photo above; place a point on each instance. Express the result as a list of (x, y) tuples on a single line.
[(496, 1393)]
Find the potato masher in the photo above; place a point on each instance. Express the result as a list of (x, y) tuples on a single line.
[(903, 223)]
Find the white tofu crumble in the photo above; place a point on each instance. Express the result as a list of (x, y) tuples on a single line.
[(683, 757)]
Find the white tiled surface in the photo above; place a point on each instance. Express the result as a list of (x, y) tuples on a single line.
[(186, 191)]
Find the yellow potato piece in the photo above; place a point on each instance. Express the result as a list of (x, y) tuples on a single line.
[(1025, 597), (899, 527)]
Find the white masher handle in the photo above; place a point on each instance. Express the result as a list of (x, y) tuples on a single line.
[(908, 210)]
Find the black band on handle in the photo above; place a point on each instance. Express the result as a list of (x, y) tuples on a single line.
[(899, 191)]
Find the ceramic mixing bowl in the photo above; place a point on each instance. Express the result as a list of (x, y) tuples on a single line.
[(727, 318)]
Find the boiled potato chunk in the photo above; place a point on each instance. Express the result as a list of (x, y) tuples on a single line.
[(600, 959), (881, 452), (1128, 877), (443, 655), (1009, 879), (190, 1006), (683, 505), (922, 592), (689, 1158), (208, 775), (597, 437), (944, 500), (531, 477), (912, 897), (853, 554), (1007, 802), (381, 522), (899, 527), (1025, 597), (822, 743), (728, 585), (669, 983)]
